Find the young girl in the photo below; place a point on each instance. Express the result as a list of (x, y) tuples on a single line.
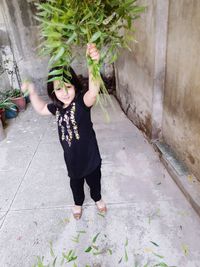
[(77, 137)]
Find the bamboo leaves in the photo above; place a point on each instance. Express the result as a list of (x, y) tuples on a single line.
[(72, 38), (155, 244), (70, 23), (87, 21), (92, 246), (70, 256), (95, 37), (95, 238), (55, 58), (56, 72), (73, 257), (88, 249)]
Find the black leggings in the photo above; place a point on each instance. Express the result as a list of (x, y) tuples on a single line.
[(94, 182)]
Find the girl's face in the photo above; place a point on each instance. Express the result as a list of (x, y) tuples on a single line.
[(65, 94)]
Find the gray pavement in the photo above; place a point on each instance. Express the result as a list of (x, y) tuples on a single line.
[(149, 221)]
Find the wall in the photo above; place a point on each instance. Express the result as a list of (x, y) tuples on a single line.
[(4, 80), (141, 73), (24, 35), (181, 117), (158, 84), (134, 71)]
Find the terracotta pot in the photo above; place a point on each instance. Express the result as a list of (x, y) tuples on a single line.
[(20, 102), (2, 116)]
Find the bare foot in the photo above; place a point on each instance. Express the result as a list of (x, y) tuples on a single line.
[(101, 206), (77, 212)]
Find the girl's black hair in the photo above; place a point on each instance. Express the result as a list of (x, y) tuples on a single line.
[(73, 79)]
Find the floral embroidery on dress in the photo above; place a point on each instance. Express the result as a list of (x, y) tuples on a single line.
[(68, 124)]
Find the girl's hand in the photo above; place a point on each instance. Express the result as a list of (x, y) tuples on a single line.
[(93, 52), (28, 87)]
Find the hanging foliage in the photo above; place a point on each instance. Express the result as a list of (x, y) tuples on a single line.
[(66, 24)]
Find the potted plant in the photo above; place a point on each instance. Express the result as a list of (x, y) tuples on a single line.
[(11, 112), (16, 96), (7, 110)]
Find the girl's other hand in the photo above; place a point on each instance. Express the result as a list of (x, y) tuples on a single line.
[(28, 87), (93, 52)]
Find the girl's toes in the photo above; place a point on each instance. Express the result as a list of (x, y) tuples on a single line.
[(77, 212), (101, 206)]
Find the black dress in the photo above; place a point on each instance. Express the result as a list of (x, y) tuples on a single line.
[(77, 137)]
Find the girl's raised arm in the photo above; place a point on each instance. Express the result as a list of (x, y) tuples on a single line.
[(39, 105), (94, 85)]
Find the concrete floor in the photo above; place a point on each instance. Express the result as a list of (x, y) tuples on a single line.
[(149, 221)]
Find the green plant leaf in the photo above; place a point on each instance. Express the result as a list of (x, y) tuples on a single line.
[(100, 214), (95, 237), (185, 249), (70, 40), (86, 17), (54, 262), (88, 249), (59, 78), (98, 253), (157, 255), (81, 232), (154, 244), (95, 36), (56, 72), (161, 264), (59, 54), (126, 255), (70, 27), (110, 251), (51, 249)]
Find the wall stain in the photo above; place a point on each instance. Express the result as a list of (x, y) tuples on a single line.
[(191, 158), (143, 124), (24, 7)]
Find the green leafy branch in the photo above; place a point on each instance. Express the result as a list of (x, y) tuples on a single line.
[(67, 24)]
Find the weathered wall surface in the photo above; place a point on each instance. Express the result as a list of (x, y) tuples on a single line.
[(134, 72), (181, 117), (4, 42), (141, 73), (24, 34), (158, 84)]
